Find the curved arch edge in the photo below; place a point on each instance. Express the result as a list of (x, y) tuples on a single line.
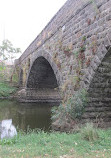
[(48, 57)]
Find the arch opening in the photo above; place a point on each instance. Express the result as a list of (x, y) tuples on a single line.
[(99, 108), (41, 75)]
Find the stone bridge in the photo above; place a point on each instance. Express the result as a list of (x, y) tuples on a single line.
[(72, 52)]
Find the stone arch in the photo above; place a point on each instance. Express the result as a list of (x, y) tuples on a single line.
[(96, 61), (44, 59), (99, 88)]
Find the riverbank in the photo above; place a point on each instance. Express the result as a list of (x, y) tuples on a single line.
[(38, 144), (7, 90), (56, 145)]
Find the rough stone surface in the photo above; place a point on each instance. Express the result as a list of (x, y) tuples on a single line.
[(82, 26), (99, 107)]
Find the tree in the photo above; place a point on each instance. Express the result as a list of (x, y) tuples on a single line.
[(7, 54), (7, 51)]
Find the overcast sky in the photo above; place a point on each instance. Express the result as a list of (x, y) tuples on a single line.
[(22, 20)]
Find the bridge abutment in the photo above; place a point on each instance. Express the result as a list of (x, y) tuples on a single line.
[(39, 95)]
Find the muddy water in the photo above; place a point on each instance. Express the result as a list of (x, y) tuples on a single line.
[(24, 115)]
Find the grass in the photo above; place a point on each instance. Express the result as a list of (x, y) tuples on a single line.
[(89, 132), (36, 144), (6, 90)]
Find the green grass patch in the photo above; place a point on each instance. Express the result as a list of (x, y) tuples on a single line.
[(38, 144), (6, 89)]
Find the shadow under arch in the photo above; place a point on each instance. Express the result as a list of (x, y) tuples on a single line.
[(43, 79), (45, 60), (41, 75), (99, 90)]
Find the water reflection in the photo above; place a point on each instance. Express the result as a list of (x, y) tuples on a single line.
[(34, 115)]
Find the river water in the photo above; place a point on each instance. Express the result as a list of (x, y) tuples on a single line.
[(27, 115)]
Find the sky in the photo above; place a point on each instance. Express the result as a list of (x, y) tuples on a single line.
[(22, 20)]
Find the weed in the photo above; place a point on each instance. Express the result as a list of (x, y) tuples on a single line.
[(84, 38), (89, 132), (71, 111), (9, 141), (6, 89)]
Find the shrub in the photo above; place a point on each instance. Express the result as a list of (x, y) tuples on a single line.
[(89, 132), (6, 89), (76, 105), (71, 111)]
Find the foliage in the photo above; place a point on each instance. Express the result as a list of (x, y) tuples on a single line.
[(77, 104), (2, 67), (15, 78), (6, 89), (72, 110), (9, 141), (40, 144), (5, 72), (7, 50), (89, 132), (2, 71), (84, 38), (67, 50), (7, 53)]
